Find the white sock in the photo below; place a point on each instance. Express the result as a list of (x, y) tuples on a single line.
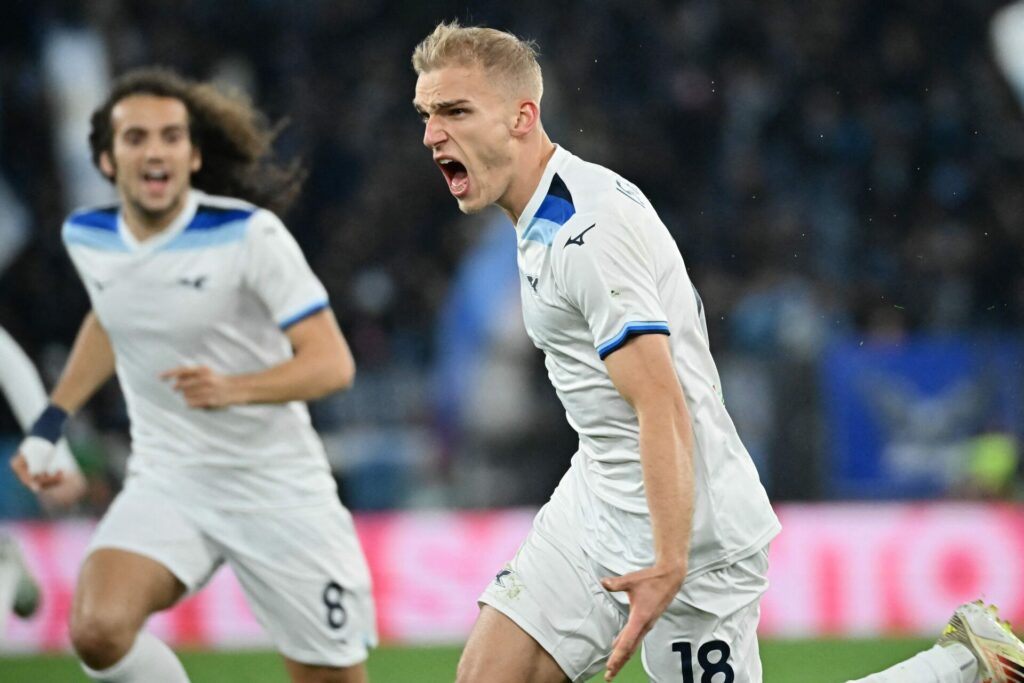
[(149, 661), (940, 664)]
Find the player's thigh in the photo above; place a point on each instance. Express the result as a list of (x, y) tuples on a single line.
[(551, 592), (306, 580), (120, 589), (308, 673), (500, 651), (701, 647), (146, 553), (709, 633)]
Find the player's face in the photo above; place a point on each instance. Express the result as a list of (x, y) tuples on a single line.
[(468, 120), (152, 159)]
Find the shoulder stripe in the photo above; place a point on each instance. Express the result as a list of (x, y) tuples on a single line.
[(212, 226), (95, 229), (94, 239), (101, 219), (542, 230), (202, 238), (555, 209), (212, 217), (554, 212), (558, 189), (632, 329)]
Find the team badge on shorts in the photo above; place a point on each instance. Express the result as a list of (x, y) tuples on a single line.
[(508, 581)]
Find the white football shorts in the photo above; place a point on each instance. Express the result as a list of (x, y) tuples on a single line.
[(302, 569), (551, 589)]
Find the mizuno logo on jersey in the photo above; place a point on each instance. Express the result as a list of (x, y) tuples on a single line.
[(578, 239), (533, 281), (194, 283)]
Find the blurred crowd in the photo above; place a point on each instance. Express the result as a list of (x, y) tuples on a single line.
[(827, 167)]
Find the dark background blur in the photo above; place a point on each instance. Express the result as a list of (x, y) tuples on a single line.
[(844, 179)]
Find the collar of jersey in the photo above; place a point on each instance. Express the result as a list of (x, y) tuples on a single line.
[(176, 227), (556, 162)]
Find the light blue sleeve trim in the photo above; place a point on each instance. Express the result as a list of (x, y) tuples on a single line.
[(303, 314), (629, 330)]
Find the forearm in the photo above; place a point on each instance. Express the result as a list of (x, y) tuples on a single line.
[(303, 378), (666, 455), (89, 366), (322, 363)]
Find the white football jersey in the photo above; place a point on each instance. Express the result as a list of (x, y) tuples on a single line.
[(598, 266), (217, 287)]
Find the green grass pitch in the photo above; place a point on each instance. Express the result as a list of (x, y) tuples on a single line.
[(785, 661)]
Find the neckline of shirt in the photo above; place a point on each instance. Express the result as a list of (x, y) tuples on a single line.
[(175, 228)]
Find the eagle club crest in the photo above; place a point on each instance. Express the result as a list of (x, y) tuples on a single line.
[(508, 580)]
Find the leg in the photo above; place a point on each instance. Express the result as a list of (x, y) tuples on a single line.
[(309, 673), (544, 616), (940, 664), (710, 630), (974, 645), (704, 644), (145, 554), (305, 578), (117, 591), (498, 651), (19, 591)]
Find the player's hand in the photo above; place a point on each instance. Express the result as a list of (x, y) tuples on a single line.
[(65, 493), (201, 387), (650, 591), (35, 482)]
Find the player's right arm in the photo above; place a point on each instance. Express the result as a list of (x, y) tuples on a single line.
[(89, 366)]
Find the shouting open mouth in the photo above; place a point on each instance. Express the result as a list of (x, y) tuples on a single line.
[(455, 173)]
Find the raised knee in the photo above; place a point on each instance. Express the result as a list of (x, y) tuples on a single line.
[(101, 637)]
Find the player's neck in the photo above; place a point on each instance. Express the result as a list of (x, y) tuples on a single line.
[(144, 225), (527, 177)]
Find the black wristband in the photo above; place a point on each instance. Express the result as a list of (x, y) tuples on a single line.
[(50, 424)]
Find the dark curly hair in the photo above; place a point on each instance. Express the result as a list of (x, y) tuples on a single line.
[(235, 138)]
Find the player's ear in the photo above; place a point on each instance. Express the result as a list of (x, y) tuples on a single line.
[(107, 166), (527, 118), (197, 160)]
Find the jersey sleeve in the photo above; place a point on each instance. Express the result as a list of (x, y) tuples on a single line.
[(80, 239), (277, 271), (603, 268)]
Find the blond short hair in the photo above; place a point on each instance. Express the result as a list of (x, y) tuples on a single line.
[(498, 52)]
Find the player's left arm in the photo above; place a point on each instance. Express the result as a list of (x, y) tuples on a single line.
[(605, 267), (322, 363), (644, 374)]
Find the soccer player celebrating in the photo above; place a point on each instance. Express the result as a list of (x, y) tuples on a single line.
[(218, 331), (659, 531), (658, 534)]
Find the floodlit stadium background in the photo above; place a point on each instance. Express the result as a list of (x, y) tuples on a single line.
[(845, 180)]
